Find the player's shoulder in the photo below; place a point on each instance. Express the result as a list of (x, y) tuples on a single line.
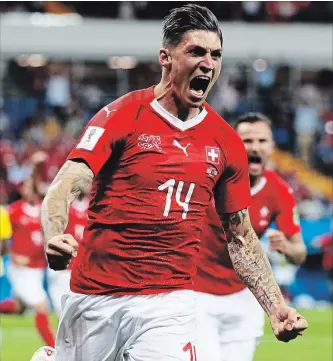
[(15, 206), (15, 209), (133, 97), (125, 107), (222, 126), (130, 101), (278, 183)]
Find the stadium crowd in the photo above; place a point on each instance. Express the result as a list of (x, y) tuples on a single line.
[(249, 11), (46, 107)]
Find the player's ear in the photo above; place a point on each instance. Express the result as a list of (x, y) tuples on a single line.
[(165, 57)]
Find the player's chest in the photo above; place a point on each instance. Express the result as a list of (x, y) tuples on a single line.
[(188, 156)]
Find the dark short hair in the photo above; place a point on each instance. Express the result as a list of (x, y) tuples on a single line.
[(252, 117), (186, 18)]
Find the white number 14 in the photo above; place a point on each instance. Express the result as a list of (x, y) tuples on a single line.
[(170, 184)]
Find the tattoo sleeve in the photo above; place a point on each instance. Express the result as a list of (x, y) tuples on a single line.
[(70, 181), (250, 261)]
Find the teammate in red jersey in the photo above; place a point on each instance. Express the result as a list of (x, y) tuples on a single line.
[(154, 163), (58, 281), (28, 261), (230, 319)]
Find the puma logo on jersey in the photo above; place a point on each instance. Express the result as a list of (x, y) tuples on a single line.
[(184, 149), (108, 111), (147, 142)]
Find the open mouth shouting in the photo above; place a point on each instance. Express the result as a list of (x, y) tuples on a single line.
[(199, 85), (255, 164)]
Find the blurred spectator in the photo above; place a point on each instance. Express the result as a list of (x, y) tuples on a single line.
[(324, 154), (253, 11), (307, 124), (58, 93), (284, 133), (284, 10), (92, 97), (4, 122)]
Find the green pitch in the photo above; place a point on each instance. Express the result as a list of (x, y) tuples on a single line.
[(20, 341)]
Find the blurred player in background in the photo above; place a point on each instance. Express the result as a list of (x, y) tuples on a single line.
[(58, 281), (230, 320), (154, 162), (28, 262)]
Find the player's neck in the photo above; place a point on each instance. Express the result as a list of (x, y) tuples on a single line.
[(168, 100), (254, 180)]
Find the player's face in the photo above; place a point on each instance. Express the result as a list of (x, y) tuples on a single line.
[(195, 66), (258, 140)]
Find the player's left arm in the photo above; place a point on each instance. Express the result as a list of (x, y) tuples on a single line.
[(252, 266), (232, 199), (250, 260), (288, 239)]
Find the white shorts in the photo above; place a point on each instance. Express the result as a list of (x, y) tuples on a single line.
[(229, 327), (127, 328), (58, 282), (27, 284)]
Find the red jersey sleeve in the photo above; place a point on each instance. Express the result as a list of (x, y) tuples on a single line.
[(232, 192), (108, 127), (287, 219)]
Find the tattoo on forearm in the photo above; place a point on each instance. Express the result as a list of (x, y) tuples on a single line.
[(71, 180), (250, 261)]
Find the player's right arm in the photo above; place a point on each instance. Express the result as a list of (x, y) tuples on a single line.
[(84, 162), (71, 180)]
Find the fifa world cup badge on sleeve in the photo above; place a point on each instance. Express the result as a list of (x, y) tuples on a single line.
[(90, 138)]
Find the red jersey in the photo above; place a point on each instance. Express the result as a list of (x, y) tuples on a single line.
[(27, 239), (77, 220), (272, 200), (154, 178)]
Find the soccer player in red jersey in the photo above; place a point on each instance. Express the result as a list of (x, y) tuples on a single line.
[(28, 262), (155, 158), (230, 319), (58, 281)]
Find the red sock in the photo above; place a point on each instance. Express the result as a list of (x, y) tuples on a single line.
[(8, 306), (44, 328)]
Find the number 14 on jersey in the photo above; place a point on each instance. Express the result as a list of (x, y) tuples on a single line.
[(170, 185)]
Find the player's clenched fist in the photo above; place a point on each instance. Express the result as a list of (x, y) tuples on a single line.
[(60, 250), (287, 324)]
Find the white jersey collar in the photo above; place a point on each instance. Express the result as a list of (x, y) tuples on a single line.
[(178, 123), (259, 186)]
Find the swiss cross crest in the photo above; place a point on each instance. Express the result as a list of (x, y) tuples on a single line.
[(264, 212), (147, 142), (213, 155)]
